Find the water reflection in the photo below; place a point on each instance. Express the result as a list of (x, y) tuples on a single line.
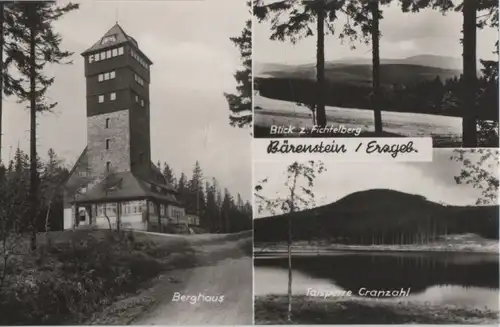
[(464, 279)]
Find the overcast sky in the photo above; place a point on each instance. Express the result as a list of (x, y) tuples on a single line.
[(403, 35), (193, 64), (433, 180)]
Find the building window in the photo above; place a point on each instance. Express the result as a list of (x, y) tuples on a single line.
[(141, 61), (139, 80), (111, 53), (101, 98), (107, 143), (106, 76), (136, 98), (107, 122), (112, 96), (108, 39), (108, 166)]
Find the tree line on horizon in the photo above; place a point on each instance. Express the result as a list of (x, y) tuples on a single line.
[(318, 17)]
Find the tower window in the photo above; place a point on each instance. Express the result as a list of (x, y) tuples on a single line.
[(120, 51), (106, 76), (139, 80), (142, 102), (101, 98), (108, 166), (109, 39), (108, 141), (91, 59), (112, 96), (108, 54), (114, 52), (107, 122), (136, 98)]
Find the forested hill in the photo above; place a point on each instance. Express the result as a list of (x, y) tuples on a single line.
[(419, 84), (380, 216)]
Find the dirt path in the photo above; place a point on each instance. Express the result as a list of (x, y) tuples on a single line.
[(231, 278), (224, 271)]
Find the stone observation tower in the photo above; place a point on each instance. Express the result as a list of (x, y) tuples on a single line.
[(114, 179)]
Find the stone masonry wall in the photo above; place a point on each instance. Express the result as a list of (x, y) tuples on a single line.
[(118, 133)]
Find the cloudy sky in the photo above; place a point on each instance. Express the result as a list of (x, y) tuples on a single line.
[(433, 180), (194, 63), (403, 35)]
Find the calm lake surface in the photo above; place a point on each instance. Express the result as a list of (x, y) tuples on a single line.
[(463, 279)]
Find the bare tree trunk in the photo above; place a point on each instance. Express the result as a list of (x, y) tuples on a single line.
[(320, 65), (118, 216), (105, 209), (33, 109), (289, 316), (292, 209), (47, 217), (469, 128), (376, 66), (2, 12)]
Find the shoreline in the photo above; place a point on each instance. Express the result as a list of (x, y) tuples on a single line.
[(272, 310), (334, 249), (265, 253)]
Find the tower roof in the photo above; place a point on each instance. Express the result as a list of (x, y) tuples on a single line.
[(115, 36)]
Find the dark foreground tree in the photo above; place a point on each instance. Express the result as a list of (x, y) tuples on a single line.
[(300, 15), (299, 196), (36, 45), (240, 104), (367, 15)]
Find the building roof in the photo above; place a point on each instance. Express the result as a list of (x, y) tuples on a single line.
[(120, 36), (124, 186), (128, 186)]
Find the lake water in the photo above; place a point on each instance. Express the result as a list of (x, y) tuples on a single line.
[(462, 279)]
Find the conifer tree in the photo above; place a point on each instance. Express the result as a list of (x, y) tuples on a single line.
[(240, 104), (36, 45), (169, 175)]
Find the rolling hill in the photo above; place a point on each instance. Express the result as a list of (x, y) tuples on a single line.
[(380, 215), (358, 70)]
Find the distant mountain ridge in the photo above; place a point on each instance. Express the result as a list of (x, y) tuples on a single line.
[(434, 61), (386, 216)]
